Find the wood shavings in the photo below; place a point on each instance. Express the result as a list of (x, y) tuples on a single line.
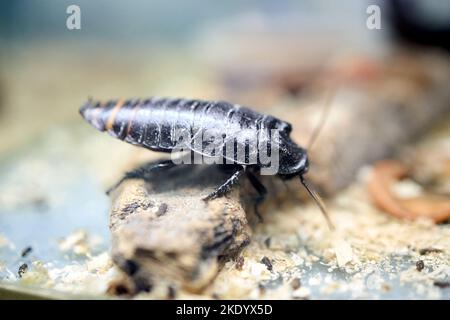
[(258, 269), (36, 275), (343, 251), (374, 248), (79, 242), (92, 277), (100, 263), (76, 242), (301, 293)]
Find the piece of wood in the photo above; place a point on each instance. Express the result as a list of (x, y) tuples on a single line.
[(161, 228)]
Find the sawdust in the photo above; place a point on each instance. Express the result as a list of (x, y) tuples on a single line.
[(370, 254), (91, 277), (78, 242)]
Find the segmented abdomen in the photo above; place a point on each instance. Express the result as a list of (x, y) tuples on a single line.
[(155, 123)]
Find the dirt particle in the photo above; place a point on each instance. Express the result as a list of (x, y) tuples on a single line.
[(118, 289), (442, 284), (266, 261), (22, 270), (262, 288), (26, 251), (143, 284), (386, 287), (171, 292), (425, 251), (215, 296), (130, 267), (162, 210), (239, 263), (296, 283), (40, 203), (420, 265)]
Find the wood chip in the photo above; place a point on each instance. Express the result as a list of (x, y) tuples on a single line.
[(385, 174)]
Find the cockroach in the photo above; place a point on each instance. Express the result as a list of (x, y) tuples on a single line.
[(151, 123)]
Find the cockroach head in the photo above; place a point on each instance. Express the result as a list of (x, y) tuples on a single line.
[(293, 162)]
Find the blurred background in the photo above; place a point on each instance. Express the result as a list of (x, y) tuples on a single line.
[(192, 48), (141, 48), (258, 53)]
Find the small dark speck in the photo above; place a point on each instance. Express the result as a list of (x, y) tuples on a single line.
[(130, 267), (22, 270), (239, 263), (420, 265), (26, 251), (40, 204), (143, 284), (442, 284), (162, 210), (429, 250), (268, 241), (119, 290), (172, 293), (296, 283), (130, 208), (267, 262), (261, 288)]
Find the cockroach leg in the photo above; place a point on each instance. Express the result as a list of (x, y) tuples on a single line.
[(262, 192), (143, 172), (226, 186)]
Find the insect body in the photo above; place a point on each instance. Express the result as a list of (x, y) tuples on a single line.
[(153, 123)]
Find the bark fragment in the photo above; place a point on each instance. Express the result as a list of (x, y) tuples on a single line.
[(163, 229)]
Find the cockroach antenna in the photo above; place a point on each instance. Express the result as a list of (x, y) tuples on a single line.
[(323, 118), (318, 200)]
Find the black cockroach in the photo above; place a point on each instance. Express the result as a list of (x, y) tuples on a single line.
[(151, 123)]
